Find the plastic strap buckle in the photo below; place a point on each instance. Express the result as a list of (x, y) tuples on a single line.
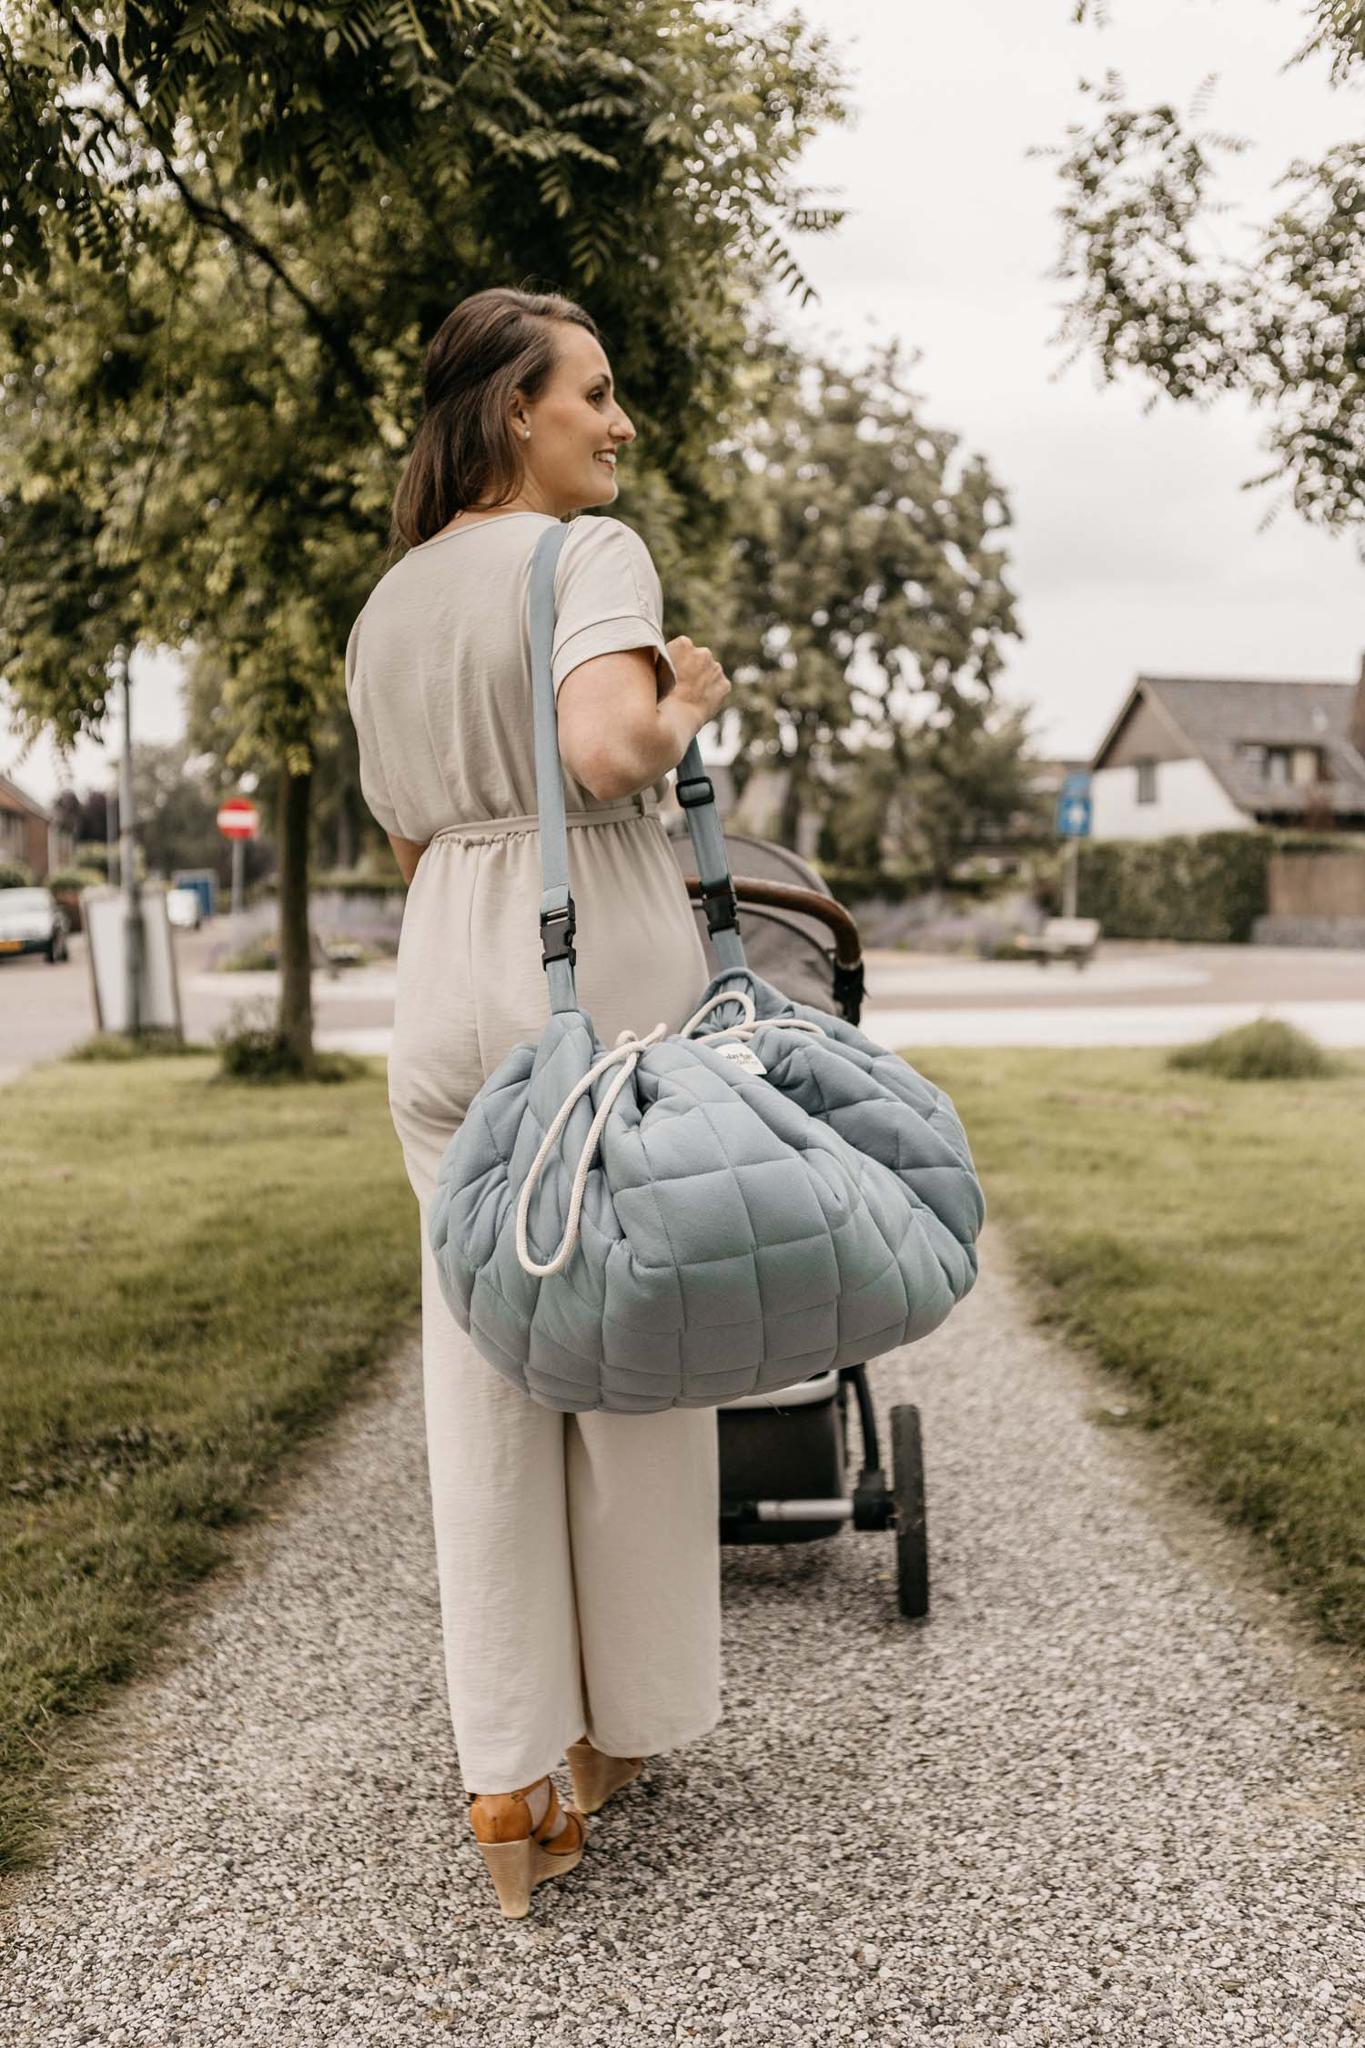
[(558, 945), (722, 907), (698, 782)]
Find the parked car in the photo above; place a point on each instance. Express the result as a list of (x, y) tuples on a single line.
[(185, 908), (32, 921)]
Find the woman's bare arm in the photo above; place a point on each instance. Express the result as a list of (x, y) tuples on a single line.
[(615, 735), (407, 853)]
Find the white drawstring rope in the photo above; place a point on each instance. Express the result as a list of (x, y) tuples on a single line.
[(627, 1050)]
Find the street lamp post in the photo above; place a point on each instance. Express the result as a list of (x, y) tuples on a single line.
[(111, 829), (132, 921)]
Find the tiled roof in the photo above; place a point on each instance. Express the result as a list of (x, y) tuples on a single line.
[(1215, 713)]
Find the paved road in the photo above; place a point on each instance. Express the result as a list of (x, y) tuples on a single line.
[(1131, 994), (1105, 1794), (44, 1010)]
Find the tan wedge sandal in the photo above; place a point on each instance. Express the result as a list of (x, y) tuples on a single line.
[(596, 1776), (520, 1851)]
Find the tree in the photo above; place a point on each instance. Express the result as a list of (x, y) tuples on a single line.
[(176, 808), (869, 601), (1283, 324), (226, 248), (963, 782), (342, 829)]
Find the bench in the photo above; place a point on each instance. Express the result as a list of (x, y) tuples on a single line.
[(1062, 938)]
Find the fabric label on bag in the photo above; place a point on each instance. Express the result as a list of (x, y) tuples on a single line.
[(742, 1055)]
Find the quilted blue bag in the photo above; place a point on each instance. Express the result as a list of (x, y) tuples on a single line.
[(686, 1217)]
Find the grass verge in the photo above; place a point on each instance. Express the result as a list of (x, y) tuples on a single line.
[(1203, 1237), (196, 1276)]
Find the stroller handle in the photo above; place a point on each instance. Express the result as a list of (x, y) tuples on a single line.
[(786, 896)]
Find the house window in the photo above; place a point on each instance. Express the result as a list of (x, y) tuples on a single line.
[(1282, 765), (1146, 782)]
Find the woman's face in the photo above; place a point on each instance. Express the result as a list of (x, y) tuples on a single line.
[(577, 427)]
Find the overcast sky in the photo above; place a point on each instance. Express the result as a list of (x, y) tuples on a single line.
[(1133, 547)]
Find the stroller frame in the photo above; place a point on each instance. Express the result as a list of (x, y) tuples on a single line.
[(802, 1432)]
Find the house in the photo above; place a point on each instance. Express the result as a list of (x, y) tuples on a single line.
[(28, 834), (1213, 753)]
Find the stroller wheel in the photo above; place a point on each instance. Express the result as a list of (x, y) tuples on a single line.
[(907, 1493)]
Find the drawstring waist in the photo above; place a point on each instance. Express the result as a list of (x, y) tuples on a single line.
[(643, 804)]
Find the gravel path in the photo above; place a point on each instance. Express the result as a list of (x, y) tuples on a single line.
[(1106, 1794)]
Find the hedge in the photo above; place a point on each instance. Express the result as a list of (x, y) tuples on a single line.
[(1201, 886)]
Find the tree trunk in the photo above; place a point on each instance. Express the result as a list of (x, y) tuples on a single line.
[(789, 817), (296, 981), (346, 832)]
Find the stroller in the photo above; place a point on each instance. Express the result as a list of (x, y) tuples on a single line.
[(784, 1458)]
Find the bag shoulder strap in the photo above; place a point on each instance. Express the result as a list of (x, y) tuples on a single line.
[(695, 793)]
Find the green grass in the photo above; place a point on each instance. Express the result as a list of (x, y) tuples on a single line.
[(1205, 1238), (196, 1274)]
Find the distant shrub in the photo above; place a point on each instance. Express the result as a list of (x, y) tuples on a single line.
[(251, 1049), (349, 953), (154, 1043), (15, 874), (70, 881), (354, 882), (257, 958), (66, 885), (263, 955), (854, 884), (1266, 1050)]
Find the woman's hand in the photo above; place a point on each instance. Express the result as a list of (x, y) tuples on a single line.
[(702, 683)]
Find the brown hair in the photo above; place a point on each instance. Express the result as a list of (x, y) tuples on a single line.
[(494, 344)]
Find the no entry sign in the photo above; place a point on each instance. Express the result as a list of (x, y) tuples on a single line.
[(238, 818)]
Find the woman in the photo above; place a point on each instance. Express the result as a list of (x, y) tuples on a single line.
[(577, 1555)]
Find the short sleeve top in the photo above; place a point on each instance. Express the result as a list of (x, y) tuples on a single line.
[(438, 665)]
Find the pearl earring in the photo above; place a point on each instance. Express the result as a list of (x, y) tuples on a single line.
[(526, 433)]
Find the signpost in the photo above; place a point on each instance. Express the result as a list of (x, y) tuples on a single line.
[(1073, 825), (238, 820)]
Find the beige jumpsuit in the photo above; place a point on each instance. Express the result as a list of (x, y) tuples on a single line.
[(577, 1555)]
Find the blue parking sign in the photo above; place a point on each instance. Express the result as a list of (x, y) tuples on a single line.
[(1073, 806)]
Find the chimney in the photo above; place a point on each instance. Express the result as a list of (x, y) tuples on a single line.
[(1357, 725)]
